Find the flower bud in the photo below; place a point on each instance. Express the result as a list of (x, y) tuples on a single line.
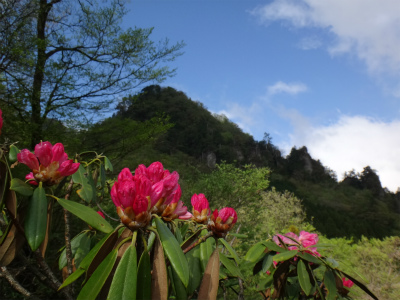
[(201, 208), (223, 221)]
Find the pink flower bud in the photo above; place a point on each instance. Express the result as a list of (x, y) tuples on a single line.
[(44, 153), (31, 179), (28, 158), (223, 221), (155, 172), (58, 153), (201, 208), (125, 174)]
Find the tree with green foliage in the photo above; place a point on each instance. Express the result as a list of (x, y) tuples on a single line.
[(61, 57)]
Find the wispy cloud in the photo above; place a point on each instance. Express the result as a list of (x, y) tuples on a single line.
[(352, 142), (288, 88), (368, 29)]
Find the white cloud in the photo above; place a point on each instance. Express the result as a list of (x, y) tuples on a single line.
[(353, 142), (370, 29), (310, 43), (289, 88)]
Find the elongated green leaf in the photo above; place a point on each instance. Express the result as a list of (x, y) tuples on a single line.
[(265, 283), (92, 184), (86, 192), (231, 250), (111, 237), (123, 285), (12, 155), (184, 229), (255, 253), (75, 243), (144, 277), (273, 247), (86, 214), (102, 177), (82, 250), (330, 284), (267, 262), (193, 258), (21, 187), (180, 289), (304, 278), (178, 236), (93, 286), (206, 249), (173, 251), (310, 258), (108, 165), (36, 219), (285, 255), (230, 266), (71, 278)]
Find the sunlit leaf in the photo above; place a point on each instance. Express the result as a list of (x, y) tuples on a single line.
[(309, 257), (255, 253), (107, 164), (123, 285), (173, 251), (285, 255), (86, 190), (87, 214), (206, 249), (230, 266), (193, 258), (231, 250), (12, 155), (273, 247)]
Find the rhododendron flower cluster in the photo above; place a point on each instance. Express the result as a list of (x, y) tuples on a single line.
[(303, 241), (49, 164), (150, 190)]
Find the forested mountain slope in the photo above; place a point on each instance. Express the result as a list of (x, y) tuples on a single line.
[(356, 206)]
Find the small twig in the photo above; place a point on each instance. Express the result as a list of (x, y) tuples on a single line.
[(15, 284), (199, 241)]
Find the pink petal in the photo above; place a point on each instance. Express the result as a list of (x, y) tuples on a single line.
[(226, 213), (186, 216), (58, 153), (155, 172), (199, 202), (28, 158), (126, 192), (68, 168), (30, 177), (141, 204), (44, 153), (125, 174)]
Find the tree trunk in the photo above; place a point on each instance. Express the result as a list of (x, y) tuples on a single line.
[(36, 118)]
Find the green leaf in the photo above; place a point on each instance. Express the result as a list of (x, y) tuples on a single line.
[(12, 155), (178, 236), (86, 214), (83, 250), (180, 289), (71, 278), (184, 228), (123, 285), (91, 182), (206, 249), (304, 277), (173, 251), (309, 257), (108, 165), (267, 262), (273, 247), (265, 283), (144, 277), (36, 218), (285, 255), (102, 181), (231, 250), (75, 243), (238, 235), (93, 286), (86, 192), (21, 187), (230, 265), (330, 284), (193, 258), (255, 252)]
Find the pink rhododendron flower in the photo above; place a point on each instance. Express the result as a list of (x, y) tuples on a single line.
[(49, 164), (223, 221), (201, 208), (131, 196), (347, 283), (294, 242)]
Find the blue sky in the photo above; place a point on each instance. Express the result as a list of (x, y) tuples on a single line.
[(319, 73)]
